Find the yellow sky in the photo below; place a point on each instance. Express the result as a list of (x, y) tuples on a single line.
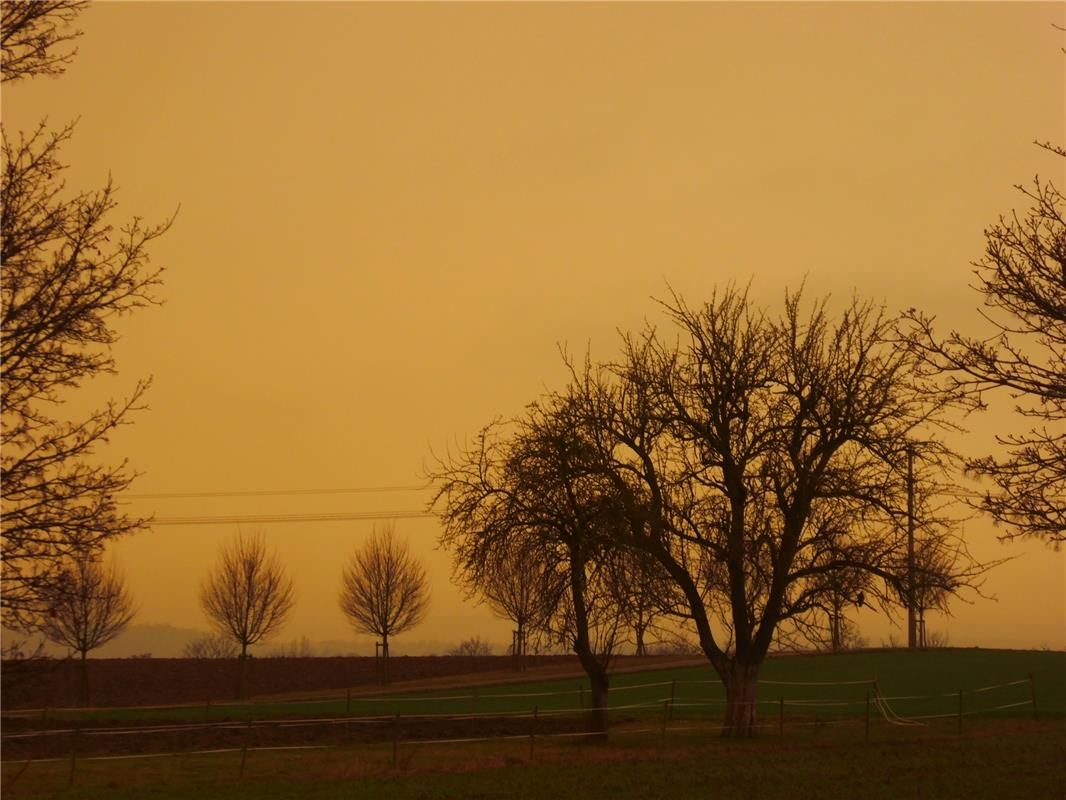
[(392, 214)]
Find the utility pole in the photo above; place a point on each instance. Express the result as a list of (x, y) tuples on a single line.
[(911, 624)]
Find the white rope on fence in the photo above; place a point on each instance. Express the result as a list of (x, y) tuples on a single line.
[(881, 702), (995, 686)]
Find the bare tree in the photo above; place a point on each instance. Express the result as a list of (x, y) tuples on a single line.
[(474, 646), (384, 589), (68, 274), (35, 37), (526, 487), (90, 606), (642, 593), (210, 646), (517, 587), (248, 596), (738, 450), (1022, 277)]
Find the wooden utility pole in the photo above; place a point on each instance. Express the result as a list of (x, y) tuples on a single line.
[(911, 624)]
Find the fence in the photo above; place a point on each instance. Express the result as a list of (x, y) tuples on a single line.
[(675, 705)]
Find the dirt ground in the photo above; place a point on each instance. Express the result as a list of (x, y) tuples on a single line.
[(53, 683), (122, 682)]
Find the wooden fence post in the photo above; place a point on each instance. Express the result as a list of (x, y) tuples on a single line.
[(781, 717), (532, 732), (581, 694), (396, 742), (348, 702), (666, 715), (673, 695), (73, 755), (244, 747), (960, 710), (867, 716), (1032, 693)]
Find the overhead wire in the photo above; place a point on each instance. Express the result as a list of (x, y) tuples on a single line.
[(277, 492), (236, 519)]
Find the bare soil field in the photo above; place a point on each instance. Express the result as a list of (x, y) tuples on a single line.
[(173, 681)]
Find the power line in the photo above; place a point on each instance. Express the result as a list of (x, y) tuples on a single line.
[(279, 492), (238, 519)]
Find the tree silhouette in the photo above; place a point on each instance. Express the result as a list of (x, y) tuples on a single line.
[(755, 456), (89, 606), (1022, 277), (384, 590), (247, 596), (68, 274)]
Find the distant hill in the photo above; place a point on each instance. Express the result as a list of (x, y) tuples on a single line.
[(168, 641)]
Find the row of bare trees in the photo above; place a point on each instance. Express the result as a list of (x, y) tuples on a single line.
[(248, 596)]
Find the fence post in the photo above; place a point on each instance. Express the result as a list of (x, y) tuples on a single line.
[(244, 747), (960, 710), (207, 710), (532, 732), (473, 701), (1032, 693), (666, 714), (348, 702), (396, 741), (867, 716), (673, 695), (781, 717), (73, 755), (581, 694)]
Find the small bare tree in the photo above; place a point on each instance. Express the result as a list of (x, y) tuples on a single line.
[(518, 588), (210, 646), (473, 646), (248, 595), (384, 589), (90, 606)]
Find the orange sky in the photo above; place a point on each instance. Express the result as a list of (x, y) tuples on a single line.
[(392, 214)]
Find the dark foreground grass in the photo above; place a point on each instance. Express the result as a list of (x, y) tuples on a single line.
[(929, 679), (992, 759)]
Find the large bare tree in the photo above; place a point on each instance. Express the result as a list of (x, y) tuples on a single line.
[(89, 606), (68, 274), (248, 595), (738, 448), (1022, 278), (384, 589)]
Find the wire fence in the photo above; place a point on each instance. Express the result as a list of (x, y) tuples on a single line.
[(662, 707)]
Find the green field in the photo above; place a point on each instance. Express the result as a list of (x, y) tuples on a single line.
[(932, 678), (820, 746)]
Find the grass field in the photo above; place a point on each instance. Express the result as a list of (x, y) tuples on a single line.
[(993, 759), (819, 751), (931, 677)]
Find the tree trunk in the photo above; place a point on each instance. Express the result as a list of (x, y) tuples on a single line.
[(641, 651), (385, 658), (83, 680), (242, 669), (598, 713), (741, 690), (520, 649)]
